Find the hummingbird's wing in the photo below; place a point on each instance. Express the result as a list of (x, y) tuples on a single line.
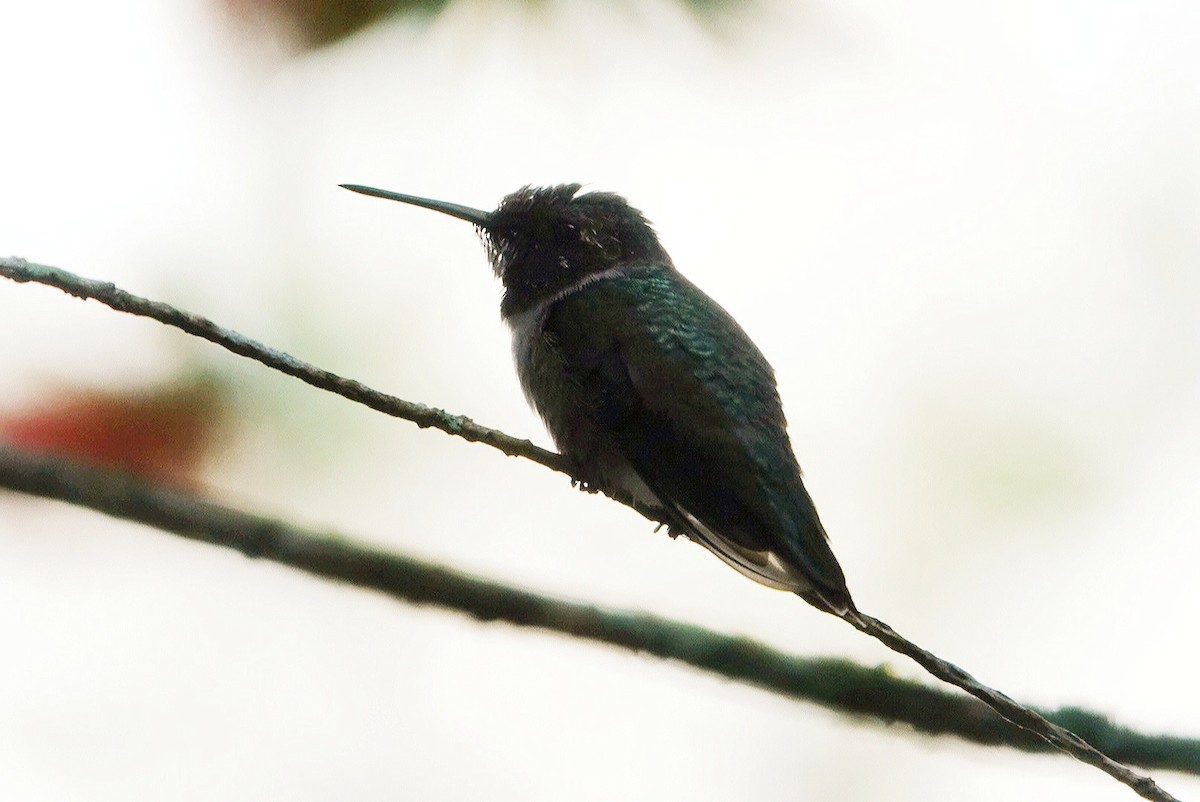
[(676, 386)]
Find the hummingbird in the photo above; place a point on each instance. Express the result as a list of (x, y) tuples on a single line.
[(648, 386)]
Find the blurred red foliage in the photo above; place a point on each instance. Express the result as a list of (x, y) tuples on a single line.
[(161, 434)]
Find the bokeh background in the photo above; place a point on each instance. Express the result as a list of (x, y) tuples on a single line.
[(965, 234)]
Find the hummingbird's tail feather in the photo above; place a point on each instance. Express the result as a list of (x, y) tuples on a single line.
[(827, 601), (763, 566), (804, 543)]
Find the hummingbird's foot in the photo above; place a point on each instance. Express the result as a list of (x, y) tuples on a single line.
[(672, 532), (580, 479), (585, 486)]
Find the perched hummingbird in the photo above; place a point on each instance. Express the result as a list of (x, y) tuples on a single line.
[(648, 386)]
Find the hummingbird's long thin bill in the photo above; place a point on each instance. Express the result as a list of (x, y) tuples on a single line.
[(475, 216)]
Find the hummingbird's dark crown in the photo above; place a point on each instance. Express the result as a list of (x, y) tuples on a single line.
[(543, 241)]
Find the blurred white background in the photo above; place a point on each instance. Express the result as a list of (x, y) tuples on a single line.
[(964, 234)]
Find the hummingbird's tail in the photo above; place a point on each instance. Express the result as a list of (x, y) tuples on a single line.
[(806, 545), (834, 601)]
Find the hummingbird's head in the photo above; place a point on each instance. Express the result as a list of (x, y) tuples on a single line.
[(544, 241)]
